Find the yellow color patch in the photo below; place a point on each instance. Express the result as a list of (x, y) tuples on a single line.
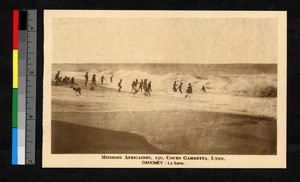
[(15, 68)]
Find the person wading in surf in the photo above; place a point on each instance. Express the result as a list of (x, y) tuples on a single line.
[(57, 78), (203, 89), (102, 79), (93, 80), (136, 82), (133, 85), (111, 78), (65, 79), (141, 85), (119, 85), (145, 85), (190, 89), (180, 87), (175, 86), (149, 88), (72, 80), (77, 90), (86, 76)]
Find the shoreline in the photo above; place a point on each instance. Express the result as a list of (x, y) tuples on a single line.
[(181, 132), (106, 99), (250, 116)]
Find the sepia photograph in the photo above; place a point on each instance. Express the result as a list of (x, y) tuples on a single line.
[(163, 89)]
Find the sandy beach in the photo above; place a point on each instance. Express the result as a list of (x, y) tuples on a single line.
[(106, 121)]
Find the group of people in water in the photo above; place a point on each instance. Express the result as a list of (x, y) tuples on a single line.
[(66, 79), (86, 76), (136, 86), (189, 89)]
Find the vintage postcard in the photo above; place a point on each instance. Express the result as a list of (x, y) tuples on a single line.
[(164, 89)]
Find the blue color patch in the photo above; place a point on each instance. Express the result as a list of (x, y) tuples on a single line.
[(14, 146)]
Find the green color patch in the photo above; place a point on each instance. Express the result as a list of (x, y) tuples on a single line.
[(15, 108)]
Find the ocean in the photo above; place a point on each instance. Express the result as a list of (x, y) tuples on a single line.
[(250, 80), (199, 70)]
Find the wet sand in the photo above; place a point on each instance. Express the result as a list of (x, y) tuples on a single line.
[(180, 132), (74, 138)]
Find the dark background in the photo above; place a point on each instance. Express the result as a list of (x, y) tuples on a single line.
[(36, 173)]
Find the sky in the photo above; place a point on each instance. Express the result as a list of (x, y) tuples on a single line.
[(164, 40)]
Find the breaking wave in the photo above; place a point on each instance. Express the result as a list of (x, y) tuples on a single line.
[(261, 85)]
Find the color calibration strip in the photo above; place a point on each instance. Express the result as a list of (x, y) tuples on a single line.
[(24, 87), (15, 88)]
